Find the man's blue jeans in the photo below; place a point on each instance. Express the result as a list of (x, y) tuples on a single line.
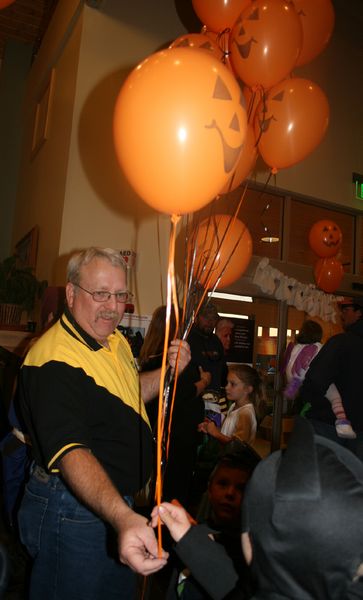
[(74, 552)]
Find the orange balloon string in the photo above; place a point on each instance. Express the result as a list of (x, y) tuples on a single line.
[(171, 298)]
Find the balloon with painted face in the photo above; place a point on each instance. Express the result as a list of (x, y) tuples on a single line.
[(179, 127), (317, 19), (290, 122), (328, 273), (325, 238), (265, 42), (223, 250), (245, 164), (219, 14)]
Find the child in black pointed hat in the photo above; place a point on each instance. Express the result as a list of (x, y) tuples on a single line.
[(302, 526)]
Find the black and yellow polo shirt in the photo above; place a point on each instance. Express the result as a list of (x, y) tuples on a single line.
[(75, 393)]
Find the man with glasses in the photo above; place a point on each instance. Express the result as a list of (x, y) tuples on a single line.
[(340, 361), (82, 401)]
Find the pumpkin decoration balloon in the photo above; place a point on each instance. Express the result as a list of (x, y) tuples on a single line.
[(179, 127), (265, 42), (290, 122), (223, 250), (328, 273), (219, 14), (325, 238), (317, 20)]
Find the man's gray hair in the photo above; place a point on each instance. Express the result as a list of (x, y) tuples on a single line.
[(83, 258)]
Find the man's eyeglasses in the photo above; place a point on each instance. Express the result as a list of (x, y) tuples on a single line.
[(102, 296)]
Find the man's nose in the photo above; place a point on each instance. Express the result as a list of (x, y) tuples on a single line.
[(111, 302), (230, 491)]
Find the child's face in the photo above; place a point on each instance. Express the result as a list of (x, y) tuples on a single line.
[(226, 491), (236, 389)]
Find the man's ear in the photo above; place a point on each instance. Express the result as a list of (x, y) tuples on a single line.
[(247, 547), (70, 294)]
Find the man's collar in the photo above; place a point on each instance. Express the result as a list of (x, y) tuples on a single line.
[(84, 337)]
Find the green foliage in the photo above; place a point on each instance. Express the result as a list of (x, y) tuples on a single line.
[(19, 285)]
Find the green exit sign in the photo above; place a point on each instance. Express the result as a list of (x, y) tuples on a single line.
[(358, 181)]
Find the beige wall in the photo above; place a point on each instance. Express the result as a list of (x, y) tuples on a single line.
[(74, 188), (44, 173)]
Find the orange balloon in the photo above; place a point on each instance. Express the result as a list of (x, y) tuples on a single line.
[(325, 238), (317, 20), (216, 254), (265, 42), (219, 14), (199, 41), (328, 273), (179, 128), (246, 162), (291, 122)]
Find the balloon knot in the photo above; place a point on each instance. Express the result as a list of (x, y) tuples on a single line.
[(274, 171)]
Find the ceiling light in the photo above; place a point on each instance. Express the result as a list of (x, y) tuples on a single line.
[(232, 316), (270, 239), (236, 297)]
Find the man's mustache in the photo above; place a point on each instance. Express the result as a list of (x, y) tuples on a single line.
[(108, 314)]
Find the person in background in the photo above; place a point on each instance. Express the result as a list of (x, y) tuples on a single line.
[(339, 362), (207, 349), (187, 412), (302, 527), (224, 330), (297, 361), (245, 390), (82, 402)]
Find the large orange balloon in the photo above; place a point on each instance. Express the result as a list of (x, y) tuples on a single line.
[(199, 41), (317, 20), (325, 238), (179, 128), (291, 122), (219, 14), (246, 162), (220, 252), (265, 42), (328, 273)]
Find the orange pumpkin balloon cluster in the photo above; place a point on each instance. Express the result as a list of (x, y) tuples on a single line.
[(266, 40), (325, 239)]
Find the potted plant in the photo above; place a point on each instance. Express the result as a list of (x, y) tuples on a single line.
[(19, 289)]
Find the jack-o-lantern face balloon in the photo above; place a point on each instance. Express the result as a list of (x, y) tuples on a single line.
[(291, 122), (265, 42), (325, 238), (179, 127)]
